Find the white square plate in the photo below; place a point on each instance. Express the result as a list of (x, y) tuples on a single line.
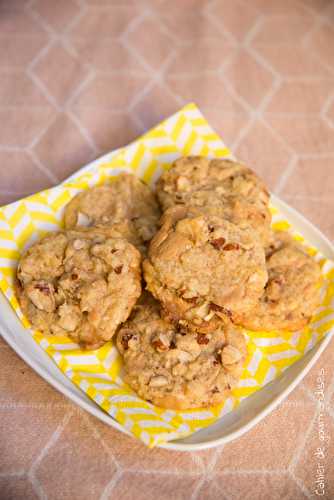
[(234, 424)]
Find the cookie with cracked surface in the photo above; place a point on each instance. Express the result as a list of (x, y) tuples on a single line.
[(292, 292), (123, 229), (203, 268), (219, 187), (125, 199), (79, 283), (176, 370)]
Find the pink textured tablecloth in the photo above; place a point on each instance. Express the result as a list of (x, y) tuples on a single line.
[(79, 78)]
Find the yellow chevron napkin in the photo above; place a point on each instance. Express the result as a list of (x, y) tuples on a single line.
[(99, 373)]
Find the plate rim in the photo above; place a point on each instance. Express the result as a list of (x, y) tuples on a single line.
[(91, 407)]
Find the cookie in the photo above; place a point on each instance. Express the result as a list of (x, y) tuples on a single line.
[(218, 187), (292, 292), (127, 198), (203, 267), (79, 283), (176, 370)]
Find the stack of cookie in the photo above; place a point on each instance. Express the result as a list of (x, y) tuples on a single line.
[(214, 265), (216, 255), (211, 266)]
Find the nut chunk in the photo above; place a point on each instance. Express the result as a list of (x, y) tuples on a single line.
[(82, 284)]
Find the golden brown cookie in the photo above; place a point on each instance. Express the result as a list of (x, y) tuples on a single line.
[(202, 267), (125, 199), (292, 292), (80, 283), (218, 187), (176, 370)]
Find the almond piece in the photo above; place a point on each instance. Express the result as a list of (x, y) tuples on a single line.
[(83, 220), (202, 310), (182, 183), (158, 381), (160, 343), (209, 316), (184, 356), (230, 355), (79, 244)]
